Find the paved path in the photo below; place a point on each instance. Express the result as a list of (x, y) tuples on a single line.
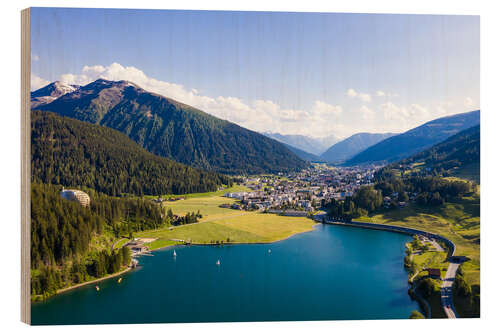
[(447, 291), (59, 291), (436, 245), (446, 286), (113, 245)]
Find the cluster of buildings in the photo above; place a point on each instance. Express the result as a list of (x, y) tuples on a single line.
[(394, 200), (301, 191)]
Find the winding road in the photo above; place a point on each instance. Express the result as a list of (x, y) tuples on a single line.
[(447, 291), (446, 286)]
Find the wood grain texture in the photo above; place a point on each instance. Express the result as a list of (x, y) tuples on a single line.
[(25, 165)]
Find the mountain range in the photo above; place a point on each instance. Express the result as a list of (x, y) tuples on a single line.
[(305, 143), (354, 144), (303, 154), (417, 139), (172, 129), (459, 155)]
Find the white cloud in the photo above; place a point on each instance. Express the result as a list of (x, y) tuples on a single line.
[(37, 82), (381, 93), (351, 92), (320, 119), (258, 115), (362, 96), (468, 102), (367, 113)]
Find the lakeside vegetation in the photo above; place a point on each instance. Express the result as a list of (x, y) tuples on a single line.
[(248, 228), (458, 221), (447, 206), (222, 225), (71, 244)]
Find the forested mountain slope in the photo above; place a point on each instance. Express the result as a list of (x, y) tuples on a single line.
[(174, 130), (70, 152), (415, 140), (354, 144)]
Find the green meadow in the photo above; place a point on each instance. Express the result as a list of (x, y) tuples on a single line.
[(224, 224), (459, 221)]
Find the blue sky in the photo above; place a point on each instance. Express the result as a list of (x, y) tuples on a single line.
[(315, 74)]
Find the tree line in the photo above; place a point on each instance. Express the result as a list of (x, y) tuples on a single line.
[(62, 230), (186, 219), (48, 279), (430, 191), (73, 153), (364, 201), (459, 150)]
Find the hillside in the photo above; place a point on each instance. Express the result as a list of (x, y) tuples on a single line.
[(305, 143), (415, 140), (354, 144), (303, 154), (174, 130), (71, 244), (458, 155), (70, 152)]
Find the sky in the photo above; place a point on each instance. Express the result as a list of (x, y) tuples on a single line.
[(314, 74)]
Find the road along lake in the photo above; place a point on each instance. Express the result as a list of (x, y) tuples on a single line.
[(331, 273)]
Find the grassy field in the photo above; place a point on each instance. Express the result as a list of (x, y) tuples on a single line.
[(248, 228), (159, 243), (458, 221), (430, 259), (220, 224), (208, 207)]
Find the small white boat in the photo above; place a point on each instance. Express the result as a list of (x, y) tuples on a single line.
[(218, 263), (175, 254)]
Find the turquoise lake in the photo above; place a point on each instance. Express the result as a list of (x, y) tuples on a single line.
[(331, 273)]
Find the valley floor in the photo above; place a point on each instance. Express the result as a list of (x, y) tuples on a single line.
[(224, 224)]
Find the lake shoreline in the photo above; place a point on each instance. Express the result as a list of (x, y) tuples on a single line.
[(63, 290), (128, 269), (197, 265), (237, 243)]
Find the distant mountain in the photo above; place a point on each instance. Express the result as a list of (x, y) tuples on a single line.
[(70, 152), (458, 155), (354, 144), (415, 140), (174, 130), (51, 92), (303, 154), (306, 143)]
